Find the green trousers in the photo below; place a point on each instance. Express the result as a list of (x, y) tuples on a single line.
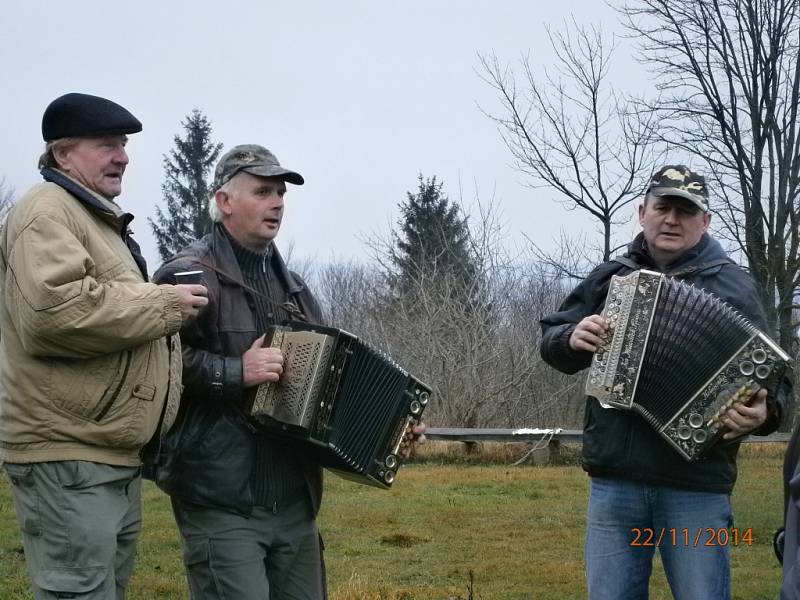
[(266, 556), (79, 523)]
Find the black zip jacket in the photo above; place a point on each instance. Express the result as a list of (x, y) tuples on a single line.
[(209, 454), (622, 444)]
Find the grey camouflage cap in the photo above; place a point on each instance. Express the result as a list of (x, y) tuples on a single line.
[(682, 182), (252, 159)]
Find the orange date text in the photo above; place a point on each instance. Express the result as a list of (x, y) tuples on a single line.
[(702, 536)]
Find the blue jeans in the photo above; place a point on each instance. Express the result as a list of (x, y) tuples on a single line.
[(627, 521)]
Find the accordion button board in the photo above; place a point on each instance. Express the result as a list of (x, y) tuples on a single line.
[(679, 357), (350, 404)]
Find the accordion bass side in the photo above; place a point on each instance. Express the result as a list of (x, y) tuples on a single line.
[(679, 356), (352, 404)]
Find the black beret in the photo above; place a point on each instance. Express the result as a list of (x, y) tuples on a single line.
[(82, 115)]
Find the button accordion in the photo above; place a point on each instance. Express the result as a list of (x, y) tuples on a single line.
[(351, 404), (679, 356)]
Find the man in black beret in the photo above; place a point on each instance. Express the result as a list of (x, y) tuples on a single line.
[(89, 366)]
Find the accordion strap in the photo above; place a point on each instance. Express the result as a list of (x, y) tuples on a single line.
[(624, 260), (294, 306)]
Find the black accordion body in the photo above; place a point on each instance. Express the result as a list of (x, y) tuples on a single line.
[(351, 403), (678, 356)]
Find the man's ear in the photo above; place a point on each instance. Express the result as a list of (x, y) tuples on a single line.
[(641, 213), (61, 154), (706, 221), (223, 201)]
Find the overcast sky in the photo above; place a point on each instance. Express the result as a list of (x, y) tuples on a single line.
[(359, 97)]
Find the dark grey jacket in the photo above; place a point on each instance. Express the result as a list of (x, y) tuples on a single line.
[(622, 444), (210, 452)]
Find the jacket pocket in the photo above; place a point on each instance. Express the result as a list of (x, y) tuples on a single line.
[(114, 390), (83, 387)]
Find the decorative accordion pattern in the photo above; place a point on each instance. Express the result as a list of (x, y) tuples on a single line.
[(678, 356), (350, 402)]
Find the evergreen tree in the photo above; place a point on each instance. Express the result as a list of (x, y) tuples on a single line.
[(433, 243), (186, 188)]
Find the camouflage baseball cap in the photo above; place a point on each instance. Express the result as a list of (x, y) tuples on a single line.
[(252, 159), (680, 181)]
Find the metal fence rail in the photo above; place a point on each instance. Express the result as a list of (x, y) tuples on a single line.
[(547, 441), (532, 436)]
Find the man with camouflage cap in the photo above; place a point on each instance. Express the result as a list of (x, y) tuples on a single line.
[(245, 503), (638, 483), (89, 368)]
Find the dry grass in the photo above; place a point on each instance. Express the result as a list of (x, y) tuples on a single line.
[(519, 530)]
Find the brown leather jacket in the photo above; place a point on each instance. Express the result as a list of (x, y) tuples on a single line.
[(210, 454)]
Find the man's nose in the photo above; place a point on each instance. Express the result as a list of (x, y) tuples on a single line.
[(121, 156)]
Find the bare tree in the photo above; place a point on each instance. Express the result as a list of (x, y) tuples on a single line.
[(352, 294), (6, 199), (729, 82), (481, 358), (484, 368), (571, 131)]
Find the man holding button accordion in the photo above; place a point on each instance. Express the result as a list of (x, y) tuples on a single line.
[(638, 481)]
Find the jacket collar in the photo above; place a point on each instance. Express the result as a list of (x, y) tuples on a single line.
[(224, 256), (706, 250), (105, 209)]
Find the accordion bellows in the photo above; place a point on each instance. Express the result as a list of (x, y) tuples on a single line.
[(678, 356), (353, 405)]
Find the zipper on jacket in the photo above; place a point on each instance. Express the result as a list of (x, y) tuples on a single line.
[(107, 407)]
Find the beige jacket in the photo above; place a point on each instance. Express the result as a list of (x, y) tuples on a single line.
[(87, 370)]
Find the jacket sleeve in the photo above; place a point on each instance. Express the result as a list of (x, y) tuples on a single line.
[(206, 375), (64, 304), (586, 299), (209, 375)]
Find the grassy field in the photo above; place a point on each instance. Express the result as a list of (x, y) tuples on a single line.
[(451, 530)]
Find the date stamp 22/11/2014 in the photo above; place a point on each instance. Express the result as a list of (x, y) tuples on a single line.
[(702, 536)]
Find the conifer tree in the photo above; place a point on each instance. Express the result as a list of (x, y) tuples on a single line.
[(433, 242), (186, 187)]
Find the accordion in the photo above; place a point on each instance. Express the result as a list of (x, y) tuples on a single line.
[(350, 403), (679, 356)]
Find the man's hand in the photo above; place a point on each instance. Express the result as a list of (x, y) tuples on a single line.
[(744, 417), (418, 433), (417, 437), (260, 364), (192, 298), (589, 334)]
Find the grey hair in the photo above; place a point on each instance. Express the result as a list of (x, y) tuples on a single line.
[(213, 210), (48, 157), (228, 187)]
